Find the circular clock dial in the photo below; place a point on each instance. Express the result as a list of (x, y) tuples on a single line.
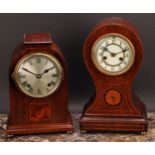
[(38, 75), (113, 54)]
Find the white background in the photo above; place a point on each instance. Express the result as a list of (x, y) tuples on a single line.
[(77, 6)]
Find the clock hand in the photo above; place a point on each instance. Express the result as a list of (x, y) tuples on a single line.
[(38, 76), (46, 70), (106, 49), (121, 52), (29, 71), (114, 54)]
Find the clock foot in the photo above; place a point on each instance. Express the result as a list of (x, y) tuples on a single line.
[(143, 133), (69, 132), (9, 136), (83, 131)]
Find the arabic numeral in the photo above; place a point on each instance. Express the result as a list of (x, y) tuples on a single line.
[(113, 41), (124, 62), (112, 68)]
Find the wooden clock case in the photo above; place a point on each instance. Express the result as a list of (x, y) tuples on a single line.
[(130, 114), (38, 115)]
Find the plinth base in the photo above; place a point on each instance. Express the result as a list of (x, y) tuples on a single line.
[(40, 128), (89, 123)]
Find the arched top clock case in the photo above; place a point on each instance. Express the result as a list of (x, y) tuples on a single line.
[(117, 26), (36, 113), (113, 54)]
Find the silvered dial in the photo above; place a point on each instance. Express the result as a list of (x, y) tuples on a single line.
[(38, 75), (113, 54)]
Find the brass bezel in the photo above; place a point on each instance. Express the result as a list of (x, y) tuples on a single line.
[(97, 65), (54, 60)]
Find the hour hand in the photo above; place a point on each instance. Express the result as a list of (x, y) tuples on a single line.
[(47, 70), (28, 71), (106, 49)]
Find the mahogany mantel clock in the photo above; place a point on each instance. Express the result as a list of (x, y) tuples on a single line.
[(38, 88), (113, 55)]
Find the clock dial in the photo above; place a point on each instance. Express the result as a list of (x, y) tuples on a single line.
[(113, 54), (38, 75)]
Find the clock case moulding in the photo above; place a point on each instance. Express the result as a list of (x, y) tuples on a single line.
[(58, 118), (130, 114)]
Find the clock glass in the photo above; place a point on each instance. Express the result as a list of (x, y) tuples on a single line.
[(38, 75), (113, 54)]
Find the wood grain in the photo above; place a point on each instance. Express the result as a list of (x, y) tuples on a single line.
[(130, 109), (50, 113)]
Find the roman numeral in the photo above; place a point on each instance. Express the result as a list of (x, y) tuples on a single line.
[(30, 62), (31, 89), (54, 75), (24, 83), (38, 60), (51, 83), (46, 61), (22, 76), (39, 91)]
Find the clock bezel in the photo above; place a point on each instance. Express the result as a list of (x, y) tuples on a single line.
[(98, 66), (53, 58)]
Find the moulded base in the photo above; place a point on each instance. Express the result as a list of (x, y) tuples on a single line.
[(95, 123), (40, 128)]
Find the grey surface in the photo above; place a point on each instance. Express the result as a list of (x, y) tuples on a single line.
[(70, 31), (77, 136)]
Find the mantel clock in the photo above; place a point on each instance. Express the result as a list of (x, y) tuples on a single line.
[(113, 54), (38, 88)]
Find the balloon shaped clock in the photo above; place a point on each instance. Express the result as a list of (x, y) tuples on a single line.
[(38, 88), (113, 54)]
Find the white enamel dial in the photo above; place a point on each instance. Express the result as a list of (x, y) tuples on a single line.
[(38, 75), (113, 54)]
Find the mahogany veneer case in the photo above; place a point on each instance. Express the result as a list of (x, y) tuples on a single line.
[(99, 114), (38, 115)]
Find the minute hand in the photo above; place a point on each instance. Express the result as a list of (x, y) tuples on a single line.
[(29, 71), (120, 52)]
